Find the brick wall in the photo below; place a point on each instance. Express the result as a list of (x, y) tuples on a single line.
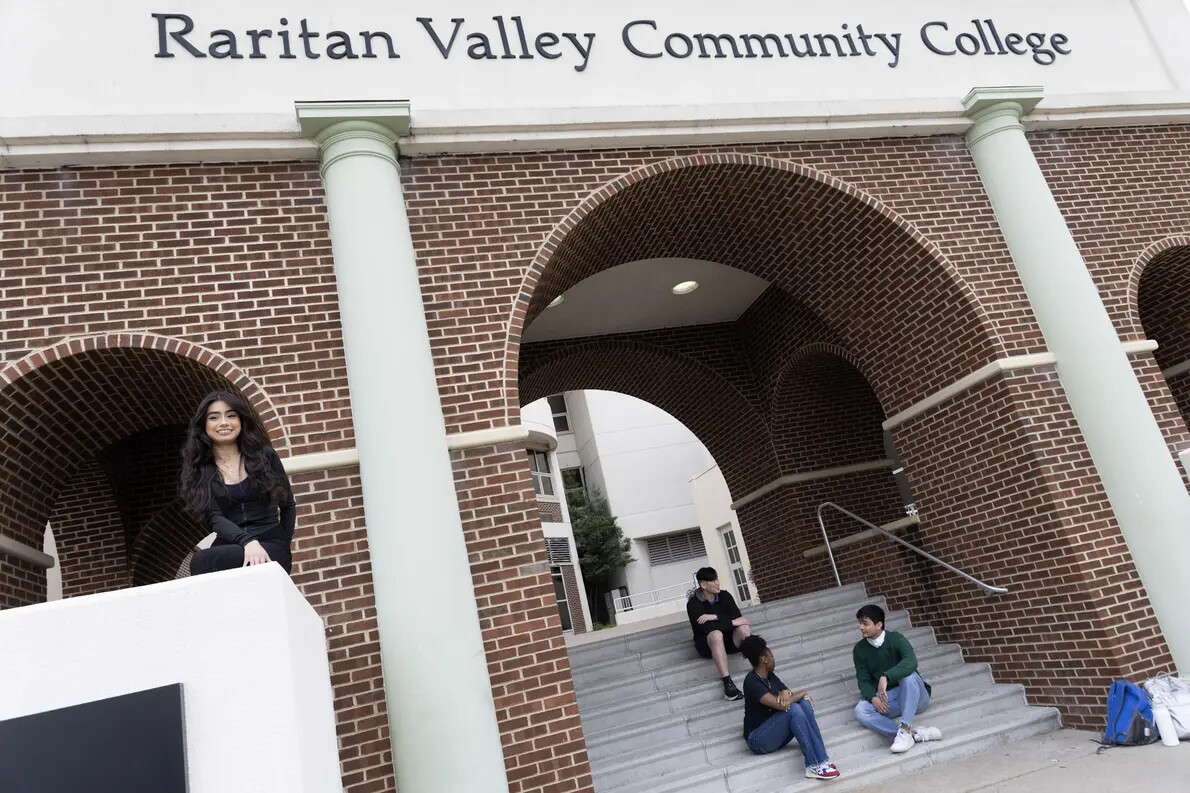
[(574, 601), (549, 511), (89, 534)]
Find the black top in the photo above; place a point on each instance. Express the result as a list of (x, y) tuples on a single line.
[(240, 513), (757, 713), (723, 607)]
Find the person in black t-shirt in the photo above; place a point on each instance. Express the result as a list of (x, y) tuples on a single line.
[(718, 626), (774, 715)]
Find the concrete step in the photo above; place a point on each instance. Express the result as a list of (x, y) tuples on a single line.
[(787, 627), (862, 759), (800, 656), (836, 676), (711, 722), (722, 744), (669, 635)]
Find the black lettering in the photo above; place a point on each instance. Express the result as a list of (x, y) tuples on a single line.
[(669, 48), (388, 40), (481, 49), (702, 38), (340, 47), (428, 24), (808, 52), (983, 37), (969, 38), (584, 53), (894, 47), (864, 38), (256, 36), (305, 36), (822, 38), (995, 35), (224, 46), (177, 35), (1059, 41), (286, 52), (547, 40), (1041, 54), (1013, 39), (850, 41), (763, 42), (626, 35), (520, 32), (925, 37), (499, 20)]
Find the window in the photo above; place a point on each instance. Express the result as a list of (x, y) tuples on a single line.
[(558, 408), (563, 601), (543, 483), (676, 548), (573, 479)]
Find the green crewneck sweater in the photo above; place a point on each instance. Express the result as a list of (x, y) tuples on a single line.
[(894, 659)]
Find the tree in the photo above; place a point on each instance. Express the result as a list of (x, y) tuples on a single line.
[(602, 547)]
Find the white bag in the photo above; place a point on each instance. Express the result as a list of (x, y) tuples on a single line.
[(1175, 695)]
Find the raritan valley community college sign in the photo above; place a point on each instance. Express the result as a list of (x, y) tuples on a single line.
[(511, 37), (537, 71)]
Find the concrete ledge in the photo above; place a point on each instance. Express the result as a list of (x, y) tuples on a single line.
[(854, 539)]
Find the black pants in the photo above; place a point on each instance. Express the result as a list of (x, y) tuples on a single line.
[(229, 556)]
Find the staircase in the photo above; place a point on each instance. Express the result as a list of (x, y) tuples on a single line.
[(655, 719)]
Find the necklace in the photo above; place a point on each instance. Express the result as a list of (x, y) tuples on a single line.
[(230, 473)]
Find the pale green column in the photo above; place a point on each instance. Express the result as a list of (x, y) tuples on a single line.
[(1141, 479), (440, 708)]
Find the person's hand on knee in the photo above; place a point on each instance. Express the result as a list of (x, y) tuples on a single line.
[(254, 554)]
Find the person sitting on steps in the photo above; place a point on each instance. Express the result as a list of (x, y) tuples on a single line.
[(891, 690), (718, 626), (774, 715)]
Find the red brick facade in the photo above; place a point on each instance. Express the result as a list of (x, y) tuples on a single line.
[(127, 293)]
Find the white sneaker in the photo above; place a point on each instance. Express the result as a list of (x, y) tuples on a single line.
[(922, 734), (903, 742)]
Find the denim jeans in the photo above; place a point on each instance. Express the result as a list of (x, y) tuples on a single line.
[(781, 728), (904, 703)]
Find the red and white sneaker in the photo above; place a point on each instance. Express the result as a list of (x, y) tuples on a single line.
[(823, 771)]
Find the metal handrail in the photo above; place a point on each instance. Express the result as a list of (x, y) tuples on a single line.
[(995, 590)]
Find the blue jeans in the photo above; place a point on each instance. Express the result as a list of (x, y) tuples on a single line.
[(781, 728), (904, 703)]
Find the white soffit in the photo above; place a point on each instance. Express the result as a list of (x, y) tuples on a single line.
[(638, 296)]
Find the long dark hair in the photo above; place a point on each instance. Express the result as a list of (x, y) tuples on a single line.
[(198, 462)]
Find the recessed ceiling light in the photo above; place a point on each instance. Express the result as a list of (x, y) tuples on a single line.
[(685, 288), (557, 301)]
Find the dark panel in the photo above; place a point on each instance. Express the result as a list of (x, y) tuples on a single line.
[(129, 743)]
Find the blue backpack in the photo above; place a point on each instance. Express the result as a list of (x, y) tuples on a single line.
[(1129, 716)]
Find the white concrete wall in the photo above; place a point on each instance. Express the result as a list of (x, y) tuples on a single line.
[(249, 652), (712, 502)]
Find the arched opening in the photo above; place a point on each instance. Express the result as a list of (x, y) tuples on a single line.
[(91, 447), (1163, 306)]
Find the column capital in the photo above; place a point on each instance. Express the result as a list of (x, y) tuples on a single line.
[(343, 129), (998, 108)]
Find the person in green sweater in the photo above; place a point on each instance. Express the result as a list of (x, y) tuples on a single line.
[(891, 690)]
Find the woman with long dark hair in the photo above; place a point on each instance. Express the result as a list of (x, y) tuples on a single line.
[(233, 481)]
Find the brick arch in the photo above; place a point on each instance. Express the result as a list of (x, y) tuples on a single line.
[(824, 413), (1159, 297), (66, 409), (897, 302), (164, 545), (733, 431)]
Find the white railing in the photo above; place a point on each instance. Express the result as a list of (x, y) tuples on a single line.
[(657, 597)]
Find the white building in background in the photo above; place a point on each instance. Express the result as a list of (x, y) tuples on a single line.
[(662, 486), (543, 449)]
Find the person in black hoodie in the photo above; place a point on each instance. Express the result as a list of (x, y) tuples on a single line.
[(233, 481), (718, 626)]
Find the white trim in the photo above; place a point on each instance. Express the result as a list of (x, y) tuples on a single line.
[(104, 140), (860, 536), (320, 461), (494, 436), (987, 372), (18, 550), (810, 476)]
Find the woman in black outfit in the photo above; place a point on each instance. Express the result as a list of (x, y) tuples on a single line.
[(233, 481)]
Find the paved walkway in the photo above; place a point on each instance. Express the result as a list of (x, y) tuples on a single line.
[(1062, 762)]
